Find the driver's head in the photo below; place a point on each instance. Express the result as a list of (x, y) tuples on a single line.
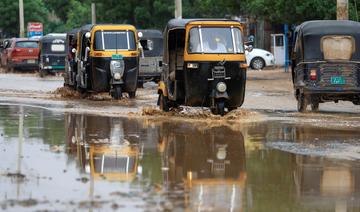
[(213, 43)]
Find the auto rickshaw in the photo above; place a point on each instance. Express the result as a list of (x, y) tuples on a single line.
[(107, 59), (204, 65), (151, 57), (52, 54), (71, 46), (325, 62)]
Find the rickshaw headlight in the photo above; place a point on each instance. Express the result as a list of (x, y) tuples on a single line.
[(221, 87), (117, 76), (192, 65), (117, 68)]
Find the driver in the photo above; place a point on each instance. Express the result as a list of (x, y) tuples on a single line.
[(214, 45)]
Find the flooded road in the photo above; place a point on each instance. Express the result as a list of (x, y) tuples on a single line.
[(56, 159)]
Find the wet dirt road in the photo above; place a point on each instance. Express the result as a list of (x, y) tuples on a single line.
[(90, 154)]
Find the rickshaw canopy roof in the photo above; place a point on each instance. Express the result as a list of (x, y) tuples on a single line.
[(311, 33), (51, 37), (330, 27), (181, 23)]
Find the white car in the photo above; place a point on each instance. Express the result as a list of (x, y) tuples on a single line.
[(259, 58)]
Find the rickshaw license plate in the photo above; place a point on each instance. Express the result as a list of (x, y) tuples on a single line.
[(218, 72), (30, 61), (116, 57), (337, 80)]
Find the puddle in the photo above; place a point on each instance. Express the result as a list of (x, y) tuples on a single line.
[(68, 161)]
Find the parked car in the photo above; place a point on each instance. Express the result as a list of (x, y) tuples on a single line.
[(20, 53), (259, 58)]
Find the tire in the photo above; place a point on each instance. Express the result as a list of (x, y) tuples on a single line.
[(314, 106), (42, 73), (302, 103), (220, 106), (116, 93), (163, 103), (140, 84), (257, 63), (132, 94)]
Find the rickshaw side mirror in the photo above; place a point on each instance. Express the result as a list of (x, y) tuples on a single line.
[(87, 35), (73, 50), (249, 48)]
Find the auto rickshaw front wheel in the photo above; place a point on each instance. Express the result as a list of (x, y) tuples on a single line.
[(116, 92), (314, 106), (132, 94), (163, 103), (219, 108), (42, 73), (302, 103)]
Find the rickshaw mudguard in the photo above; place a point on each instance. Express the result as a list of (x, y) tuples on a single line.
[(162, 88)]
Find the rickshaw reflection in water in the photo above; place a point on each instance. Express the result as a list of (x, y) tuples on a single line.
[(107, 60), (203, 65)]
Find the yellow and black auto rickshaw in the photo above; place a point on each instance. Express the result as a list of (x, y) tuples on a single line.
[(203, 65), (107, 59)]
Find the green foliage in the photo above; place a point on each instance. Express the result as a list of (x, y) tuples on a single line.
[(60, 16), (34, 11), (78, 15)]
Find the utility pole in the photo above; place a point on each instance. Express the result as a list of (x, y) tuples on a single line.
[(342, 9), (178, 9), (93, 13), (21, 18)]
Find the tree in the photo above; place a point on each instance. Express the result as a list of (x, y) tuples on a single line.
[(34, 11)]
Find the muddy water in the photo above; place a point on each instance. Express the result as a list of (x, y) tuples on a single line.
[(64, 161)]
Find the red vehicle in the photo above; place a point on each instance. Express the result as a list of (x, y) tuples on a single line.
[(20, 54)]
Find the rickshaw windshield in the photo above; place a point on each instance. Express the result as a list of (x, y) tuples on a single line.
[(114, 40), (219, 40)]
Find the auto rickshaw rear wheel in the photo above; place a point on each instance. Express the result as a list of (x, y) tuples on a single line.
[(302, 103), (163, 103), (116, 93)]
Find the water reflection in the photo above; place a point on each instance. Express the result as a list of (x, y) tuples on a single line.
[(326, 184), (103, 147), (209, 162), (72, 161)]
